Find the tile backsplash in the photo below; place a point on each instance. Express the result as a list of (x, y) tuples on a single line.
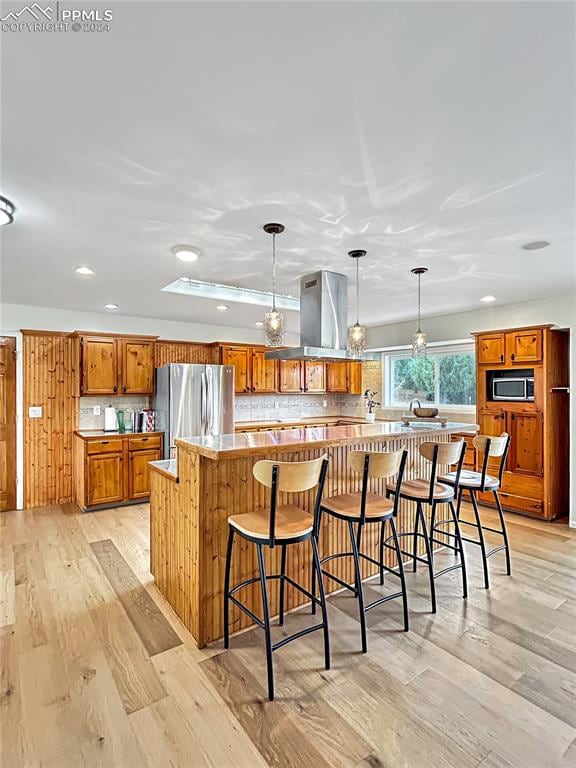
[(86, 418), (263, 407)]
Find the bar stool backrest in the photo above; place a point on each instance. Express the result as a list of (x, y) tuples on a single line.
[(290, 477), (443, 453), (382, 464), (492, 446)]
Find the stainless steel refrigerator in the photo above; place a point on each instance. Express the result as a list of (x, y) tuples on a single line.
[(193, 400)]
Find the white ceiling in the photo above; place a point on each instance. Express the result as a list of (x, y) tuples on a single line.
[(435, 134)]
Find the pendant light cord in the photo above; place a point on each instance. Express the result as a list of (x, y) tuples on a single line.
[(357, 291), (419, 276), (274, 272)]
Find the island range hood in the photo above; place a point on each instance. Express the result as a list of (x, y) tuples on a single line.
[(323, 321)]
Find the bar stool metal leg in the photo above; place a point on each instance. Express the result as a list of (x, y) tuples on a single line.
[(266, 622), (415, 542), (481, 540), (358, 583), (420, 514), (282, 585), (382, 540), (317, 569), (460, 546), (504, 533), (227, 586), (400, 572)]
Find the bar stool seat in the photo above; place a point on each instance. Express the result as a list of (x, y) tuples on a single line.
[(419, 490), (470, 479), (291, 521), (349, 506)]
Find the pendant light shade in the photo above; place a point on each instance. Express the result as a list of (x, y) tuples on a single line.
[(419, 339), (274, 320), (356, 343)]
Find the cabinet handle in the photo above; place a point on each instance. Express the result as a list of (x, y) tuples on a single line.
[(512, 416), (502, 358), (105, 442), (502, 416), (512, 356), (124, 388), (115, 388)]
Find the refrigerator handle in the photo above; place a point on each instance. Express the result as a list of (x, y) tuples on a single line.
[(209, 413), (203, 402)]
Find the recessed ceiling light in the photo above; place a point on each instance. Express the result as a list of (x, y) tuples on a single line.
[(186, 252), (535, 245), (110, 306), (6, 211), (84, 271), (259, 323), (222, 307), (488, 299)]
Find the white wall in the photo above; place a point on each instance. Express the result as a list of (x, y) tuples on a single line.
[(13, 317), (558, 310)]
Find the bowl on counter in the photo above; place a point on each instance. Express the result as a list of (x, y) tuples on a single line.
[(425, 413)]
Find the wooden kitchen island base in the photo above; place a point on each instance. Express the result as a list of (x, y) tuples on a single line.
[(191, 505)]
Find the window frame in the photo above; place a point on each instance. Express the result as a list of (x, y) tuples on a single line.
[(436, 351)]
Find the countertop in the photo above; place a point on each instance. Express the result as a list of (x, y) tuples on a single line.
[(271, 423), (275, 441), (167, 467), (85, 433)]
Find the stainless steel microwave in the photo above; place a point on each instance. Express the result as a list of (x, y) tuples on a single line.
[(520, 388)]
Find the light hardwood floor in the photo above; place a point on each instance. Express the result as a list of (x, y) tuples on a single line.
[(97, 671)]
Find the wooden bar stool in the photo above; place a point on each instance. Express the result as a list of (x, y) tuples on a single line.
[(282, 524), (430, 491), (480, 482), (361, 509)]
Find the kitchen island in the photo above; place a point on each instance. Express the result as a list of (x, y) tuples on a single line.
[(192, 499)]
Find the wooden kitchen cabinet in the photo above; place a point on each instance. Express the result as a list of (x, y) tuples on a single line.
[(526, 443), (264, 373), (113, 470), (524, 346), (536, 475), (491, 349), (344, 377), (112, 365), (314, 376), (241, 358), (99, 365), (290, 376), (104, 478), (139, 472), (137, 367)]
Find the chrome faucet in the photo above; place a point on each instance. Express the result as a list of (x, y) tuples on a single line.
[(412, 403)]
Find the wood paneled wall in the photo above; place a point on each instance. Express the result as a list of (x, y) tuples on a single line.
[(50, 371), (185, 352)]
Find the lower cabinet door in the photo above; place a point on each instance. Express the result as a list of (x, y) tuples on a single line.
[(104, 478), (139, 472)]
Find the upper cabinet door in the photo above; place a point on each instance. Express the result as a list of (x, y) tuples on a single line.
[(491, 349), (99, 365), (355, 378), (240, 358), (314, 377), (290, 376), (524, 346), (137, 366), (526, 442), (264, 372), (337, 377)]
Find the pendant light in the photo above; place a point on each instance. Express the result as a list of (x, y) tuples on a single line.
[(274, 320), (419, 339), (356, 333)]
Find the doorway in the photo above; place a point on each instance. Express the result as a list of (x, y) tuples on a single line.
[(7, 423)]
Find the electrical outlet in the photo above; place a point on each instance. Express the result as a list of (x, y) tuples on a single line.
[(95, 410), (324, 403), (35, 412), (276, 404)]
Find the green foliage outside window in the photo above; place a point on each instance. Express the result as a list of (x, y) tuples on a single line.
[(448, 379)]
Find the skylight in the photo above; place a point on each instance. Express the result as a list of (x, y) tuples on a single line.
[(202, 290)]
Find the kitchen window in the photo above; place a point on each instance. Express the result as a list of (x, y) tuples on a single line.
[(445, 377)]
